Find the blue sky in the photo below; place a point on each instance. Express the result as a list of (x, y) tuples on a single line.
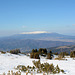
[(18, 16)]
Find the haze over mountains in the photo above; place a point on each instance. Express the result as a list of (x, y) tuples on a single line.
[(39, 39), (43, 35)]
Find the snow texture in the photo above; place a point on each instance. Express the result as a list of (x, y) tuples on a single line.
[(10, 61)]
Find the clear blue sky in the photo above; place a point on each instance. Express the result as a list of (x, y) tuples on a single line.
[(18, 16)]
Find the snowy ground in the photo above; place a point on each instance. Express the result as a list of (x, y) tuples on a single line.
[(9, 61)]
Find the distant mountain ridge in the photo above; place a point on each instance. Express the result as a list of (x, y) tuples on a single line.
[(30, 41), (62, 49), (44, 36)]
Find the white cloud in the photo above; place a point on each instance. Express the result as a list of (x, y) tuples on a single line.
[(34, 32)]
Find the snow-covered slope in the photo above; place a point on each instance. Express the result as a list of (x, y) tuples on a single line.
[(9, 61)]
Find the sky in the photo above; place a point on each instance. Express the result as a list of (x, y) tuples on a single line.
[(18, 16)]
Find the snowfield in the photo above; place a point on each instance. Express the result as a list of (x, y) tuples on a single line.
[(10, 61)]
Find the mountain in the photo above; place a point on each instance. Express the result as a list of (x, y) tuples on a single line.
[(62, 49), (45, 36), (27, 42)]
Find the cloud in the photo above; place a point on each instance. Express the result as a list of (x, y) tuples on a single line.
[(34, 32)]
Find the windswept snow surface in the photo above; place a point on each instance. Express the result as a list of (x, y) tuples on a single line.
[(10, 61)]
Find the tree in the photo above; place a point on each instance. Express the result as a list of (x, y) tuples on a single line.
[(49, 56), (61, 55), (42, 51), (50, 52), (15, 51), (36, 56), (72, 54), (33, 51), (57, 69), (31, 55)]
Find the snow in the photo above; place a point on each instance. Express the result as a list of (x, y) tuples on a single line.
[(10, 61), (35, 32)]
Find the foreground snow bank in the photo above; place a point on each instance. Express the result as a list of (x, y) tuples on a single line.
[(9, 62)]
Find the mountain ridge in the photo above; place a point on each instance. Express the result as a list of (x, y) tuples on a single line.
[(42, 36), (30, 41)]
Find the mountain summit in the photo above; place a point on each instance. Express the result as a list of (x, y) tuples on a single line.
[(34, 32)]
